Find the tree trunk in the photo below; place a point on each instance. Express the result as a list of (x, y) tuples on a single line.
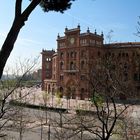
[(9, 43), (11, 38)]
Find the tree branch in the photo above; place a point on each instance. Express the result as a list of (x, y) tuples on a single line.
[(25, 14), (18, 8)]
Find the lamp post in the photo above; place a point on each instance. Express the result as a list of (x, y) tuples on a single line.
[(49, 130)]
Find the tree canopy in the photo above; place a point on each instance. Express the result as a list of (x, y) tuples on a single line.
[(55, 5)]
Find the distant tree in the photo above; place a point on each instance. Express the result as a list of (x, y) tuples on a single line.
[(138, 28), (109, 36), (21, 16)]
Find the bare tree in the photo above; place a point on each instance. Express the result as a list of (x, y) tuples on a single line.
[(129, 124), (138, 28), (62, 126), (109, 36), (105, 88), (11, 90), (21, 121)]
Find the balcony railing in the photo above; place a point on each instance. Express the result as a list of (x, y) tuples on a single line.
[(71, 71)]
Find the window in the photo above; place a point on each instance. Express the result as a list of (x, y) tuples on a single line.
[(61, 65), (98, 42), (83, 77), (61, 55), (136, 77), (138, 89), (72, 54), (92, 42), (123, 54), (72, 67), (61, 77), (127, 55), (62, 44), (48, 59), (82, 90), (83, 41), (82, 64), (99, 53), (82, 53), (125, 66)]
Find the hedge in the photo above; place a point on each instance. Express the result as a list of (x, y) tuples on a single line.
[(17, 103)]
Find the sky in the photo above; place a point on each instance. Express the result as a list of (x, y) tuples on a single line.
[(41, 29)]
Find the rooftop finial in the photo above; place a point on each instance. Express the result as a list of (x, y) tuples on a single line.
[(102, 34), (78, 26), (58, 35), (95, 32), (66, 28), (88, 31)]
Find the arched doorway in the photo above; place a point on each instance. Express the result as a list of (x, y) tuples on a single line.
[(70, 89), (82, 93)]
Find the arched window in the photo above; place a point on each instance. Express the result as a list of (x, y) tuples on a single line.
[(82, 64), (61, 65), (72, 67), (72, 54), (61, 55)]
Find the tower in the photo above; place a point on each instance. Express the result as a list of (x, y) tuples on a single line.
[(46, 65)]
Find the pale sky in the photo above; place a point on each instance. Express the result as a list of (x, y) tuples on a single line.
[(41, 29)]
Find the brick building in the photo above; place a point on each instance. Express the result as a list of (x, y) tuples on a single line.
[(78, 54)]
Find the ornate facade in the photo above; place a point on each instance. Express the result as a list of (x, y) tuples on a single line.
[(79, 54)]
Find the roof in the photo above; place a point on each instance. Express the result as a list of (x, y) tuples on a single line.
[(123, 44)]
